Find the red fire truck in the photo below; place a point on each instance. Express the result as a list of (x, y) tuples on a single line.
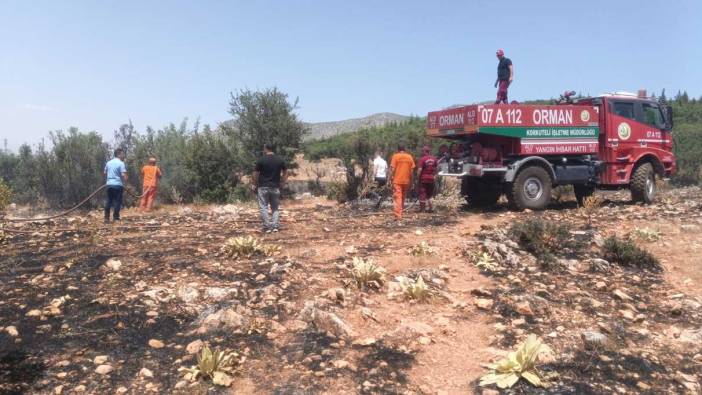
[(612, 141)]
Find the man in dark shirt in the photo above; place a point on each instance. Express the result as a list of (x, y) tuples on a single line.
[(268, 177), (505, 73)]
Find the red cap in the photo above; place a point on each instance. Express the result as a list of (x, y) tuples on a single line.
[(500, 52)]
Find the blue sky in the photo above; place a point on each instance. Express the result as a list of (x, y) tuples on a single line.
[(97, 64)]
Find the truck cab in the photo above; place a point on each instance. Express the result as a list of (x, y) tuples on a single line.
[(612, 141)]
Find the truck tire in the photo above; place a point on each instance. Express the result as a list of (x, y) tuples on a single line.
[(582, 192), (479, 193), (531, 189), (643, 184)]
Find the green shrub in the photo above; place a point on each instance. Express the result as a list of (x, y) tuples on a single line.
[(5, 195), (627, 253), (337, 191), (541, 238)]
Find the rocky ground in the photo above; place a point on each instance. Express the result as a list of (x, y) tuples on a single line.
[(100, 309)]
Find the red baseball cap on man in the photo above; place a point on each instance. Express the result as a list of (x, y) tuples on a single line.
[(500, 53)]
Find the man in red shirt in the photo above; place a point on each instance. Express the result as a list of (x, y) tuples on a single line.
[(426, 173)]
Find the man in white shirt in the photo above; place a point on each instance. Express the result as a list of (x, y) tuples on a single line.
[(380, 169), (380, 173)]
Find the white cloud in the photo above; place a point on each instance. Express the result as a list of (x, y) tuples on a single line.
[(39, 107)]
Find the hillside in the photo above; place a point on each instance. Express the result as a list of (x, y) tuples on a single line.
[(326, 129)]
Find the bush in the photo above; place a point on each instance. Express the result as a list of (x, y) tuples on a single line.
[(5, 195), (541, 238), (337, 191), (627, 253)]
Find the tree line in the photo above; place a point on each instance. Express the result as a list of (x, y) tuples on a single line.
[(209, 165), (199, 163)]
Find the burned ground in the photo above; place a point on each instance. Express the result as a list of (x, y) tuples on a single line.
[(613, 329)]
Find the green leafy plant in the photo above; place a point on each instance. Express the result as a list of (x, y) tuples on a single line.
[(5, 195), (541, 238), (591, 204), (416, 290), (518, 364), (645, 234), (627, 253), (215, 365), (422, 249), (367, 274), (247, 247), (485, 261)]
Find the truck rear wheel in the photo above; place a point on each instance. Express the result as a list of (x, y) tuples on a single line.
[(479, 193), (643, 184), (531, 189)]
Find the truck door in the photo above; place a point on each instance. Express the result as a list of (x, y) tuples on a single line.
[(653, 136), (621, 126)]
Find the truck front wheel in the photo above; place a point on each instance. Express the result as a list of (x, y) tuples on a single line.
[(643, 184), (531, 189)]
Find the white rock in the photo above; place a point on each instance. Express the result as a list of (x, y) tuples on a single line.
[(146, 373), (104, 369), (113, 264), (100, 359), (194, 347), (188, 294)]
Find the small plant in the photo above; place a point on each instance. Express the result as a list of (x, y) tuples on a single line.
[(449, 198), (336, 190), (247, 247), (560, 192), (422, 249), (590, 206), (645, 234), (541, 238), (367, 274), (485, 261), (5, 195), (176, 196), (215, 365), (518, 364), (417, 289), (627, 253)]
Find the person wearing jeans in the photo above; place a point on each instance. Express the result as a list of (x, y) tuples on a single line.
[(269, 197), (115, 175), (268, 177)]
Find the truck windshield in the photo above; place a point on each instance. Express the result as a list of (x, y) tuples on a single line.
[(652, 115)]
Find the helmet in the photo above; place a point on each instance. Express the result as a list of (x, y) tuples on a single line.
[(500, 52)]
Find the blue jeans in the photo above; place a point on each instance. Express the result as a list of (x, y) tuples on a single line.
[(269, 196), (114, 200)]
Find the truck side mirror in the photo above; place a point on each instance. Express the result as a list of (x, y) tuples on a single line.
[(668, 117)]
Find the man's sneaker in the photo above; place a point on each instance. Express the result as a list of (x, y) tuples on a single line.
[(275, 230), (106, 221), (267, 231)]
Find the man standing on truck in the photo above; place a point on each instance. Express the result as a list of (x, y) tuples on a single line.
[(426, 172), (401, 170), (505, 74)]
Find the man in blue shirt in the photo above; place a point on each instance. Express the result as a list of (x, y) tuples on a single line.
[(115, 176)]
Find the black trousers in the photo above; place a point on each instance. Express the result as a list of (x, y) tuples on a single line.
[(114, 200)]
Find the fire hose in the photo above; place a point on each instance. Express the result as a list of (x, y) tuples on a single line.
[(74, 208)]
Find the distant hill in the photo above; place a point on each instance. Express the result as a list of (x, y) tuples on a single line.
[(326, 129)]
